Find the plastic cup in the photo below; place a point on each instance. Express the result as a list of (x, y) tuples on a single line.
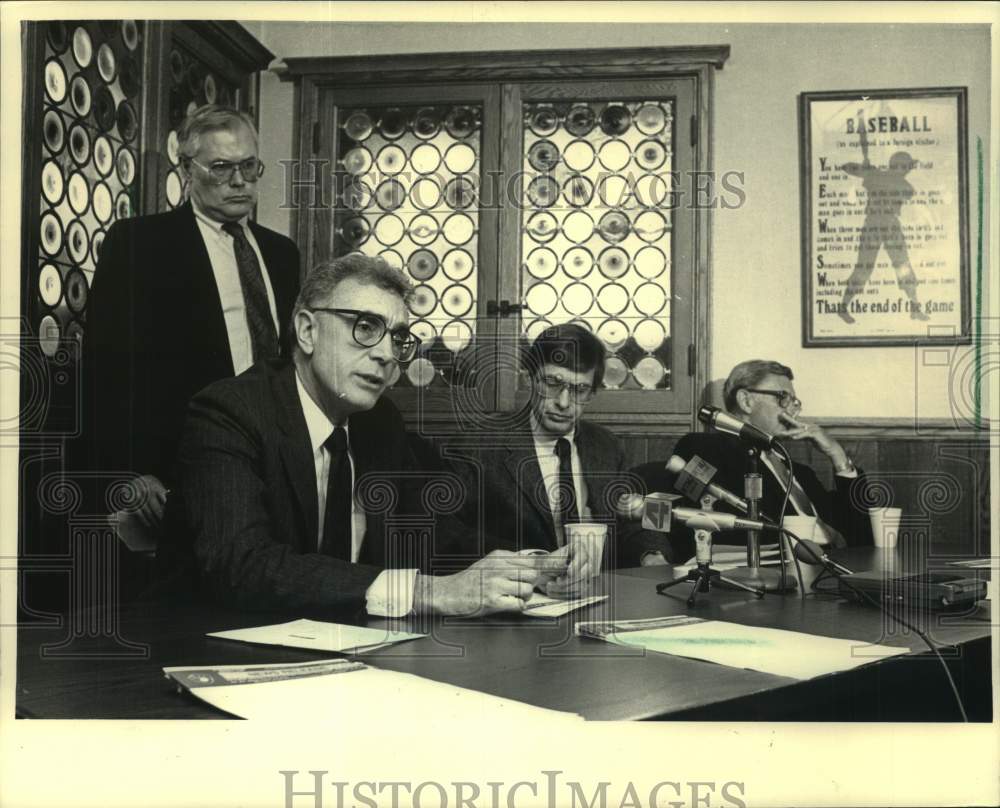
[(885, 525), (591, 535)]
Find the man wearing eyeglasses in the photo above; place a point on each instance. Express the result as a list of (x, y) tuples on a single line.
[(179, 300), (762, 394), (298, 487), (554, 467)]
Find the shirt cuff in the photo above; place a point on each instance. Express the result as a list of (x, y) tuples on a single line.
[(849, 474), (391, 594)]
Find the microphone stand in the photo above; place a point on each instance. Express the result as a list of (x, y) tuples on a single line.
[(753, 574), (704, 575)]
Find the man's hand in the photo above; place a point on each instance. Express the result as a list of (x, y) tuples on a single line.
[(798, 429), (150, 498), (500, 582), (581, 567)]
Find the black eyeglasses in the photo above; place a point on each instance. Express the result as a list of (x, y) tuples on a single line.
[(370, 329), (221, 171), (785, 399), (553, 386)]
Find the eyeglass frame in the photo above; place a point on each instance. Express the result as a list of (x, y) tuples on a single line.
[(790, 399), (358, 314), (232, 166), (581, 393)]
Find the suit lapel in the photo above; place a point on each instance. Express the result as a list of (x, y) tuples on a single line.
[(207, 319), (296, 452), (522, 465), (591, 460), (284, 280)]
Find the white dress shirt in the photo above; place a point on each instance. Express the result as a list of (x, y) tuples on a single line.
[(227, 279), (548, 463), (391, 593)]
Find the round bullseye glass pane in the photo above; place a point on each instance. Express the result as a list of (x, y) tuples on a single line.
[(650, 298), (53, 131), (173, 188), (460, 158), (577, 298), (579, 155), (613, 191), (420, 372), (459, 193), (578, 191), (107, 65), (130, 34), (76, 290), (357, 195), (83, 48), (615, 372), (542, 263), (392, 258), (460, 122), (649, 335), (48, 335), (55, 80), (613, 226), (543, 191), (79, 95), (612, 298), (424, 331), (125, 165), (96, 241), (211, 91), (457, 265), (52, 182), (78, 193), (389, 229), (580, 120), (50, 285), (613, 333), (391, 160), (578, 262), (615, 120), (650, 119), (578, 226), (104, 109), (103, 203), (650, 155), (104, 156), (358, 126), (459, 229), (543, 121), (541, 299), (78, 242), (456, 335), (390, 194), (536, 327), (456, 300), (424, 229), (613, 262), (393, 124), (648, 372), (422, 264), (542, 227), (123, 206), (543, 156), (650, 226), (52, 234), (425, 159), (423, 300), (614, 155), (650, 262), (425, 194), (357, 161), (651, 190), (426, 123)]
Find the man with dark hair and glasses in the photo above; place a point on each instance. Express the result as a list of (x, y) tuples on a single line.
[(298, 487), (553, 467), (761, 393), (180, 300)]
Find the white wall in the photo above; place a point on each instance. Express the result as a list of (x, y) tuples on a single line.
[(756, 294)]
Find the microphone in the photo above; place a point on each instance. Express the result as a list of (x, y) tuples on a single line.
[(695, 477), (809, 552), (710, 520), (658, 511), (724, 422)]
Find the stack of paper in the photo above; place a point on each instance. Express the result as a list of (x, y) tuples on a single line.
[(539, 605), (769, 650), (343, 690), (319, 636)]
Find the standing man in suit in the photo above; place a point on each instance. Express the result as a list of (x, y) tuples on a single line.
[(556, 467), (179, 300), (762, 394), (276, 469)]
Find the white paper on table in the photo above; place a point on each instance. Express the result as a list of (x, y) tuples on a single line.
[(539, 605), (318, 636), (768, 650), (340, 690)]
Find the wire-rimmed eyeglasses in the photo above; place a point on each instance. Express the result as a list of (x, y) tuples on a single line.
[(221, 171)]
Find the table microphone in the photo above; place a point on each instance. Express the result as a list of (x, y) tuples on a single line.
[(809, 552), (722, 421), (699, 474)]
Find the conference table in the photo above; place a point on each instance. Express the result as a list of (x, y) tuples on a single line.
[(107, 663)]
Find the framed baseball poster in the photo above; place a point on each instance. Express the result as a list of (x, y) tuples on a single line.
[(885, 257)]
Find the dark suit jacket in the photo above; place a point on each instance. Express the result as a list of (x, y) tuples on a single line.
[(156, 335), (507, 504), (728, 454), (248, 505)]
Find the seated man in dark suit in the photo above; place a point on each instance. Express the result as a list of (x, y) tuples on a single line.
[(762, 394), (553, 467), (287, 473)]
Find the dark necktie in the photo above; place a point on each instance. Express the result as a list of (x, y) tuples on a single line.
[(339, 492), (798, 497), (263, 336), (566, 510)]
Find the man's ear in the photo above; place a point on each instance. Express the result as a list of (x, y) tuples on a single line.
[(304, 328), (743, 403)]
